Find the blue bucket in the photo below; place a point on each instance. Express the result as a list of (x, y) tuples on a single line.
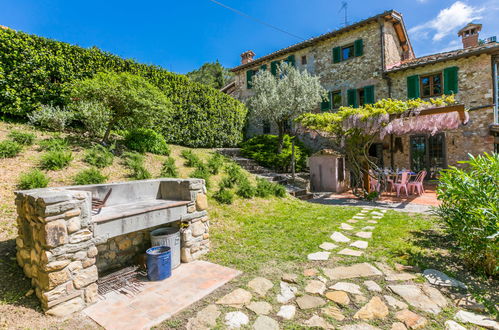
[(159, 263)]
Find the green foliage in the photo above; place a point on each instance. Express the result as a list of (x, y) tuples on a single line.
[(212, 74), (235, 175), (201, 172), (51, 117), (9, 149), (99, 156), (263, 149), (32, 180), (470, 208), (23, 138), (191, 159), (54, 144), (89, 176), (94, 116), (224, 196), (35, 71), (264, 188), (135, 162), (146, 140), (169, 169), (279, 190), (246, 190), (55, 159), (215, 163)]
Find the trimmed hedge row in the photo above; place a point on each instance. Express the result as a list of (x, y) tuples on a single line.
[(36, 71)]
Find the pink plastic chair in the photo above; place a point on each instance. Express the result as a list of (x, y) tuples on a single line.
[(375, 185), (404, 179), (417, 184), (391, 182)]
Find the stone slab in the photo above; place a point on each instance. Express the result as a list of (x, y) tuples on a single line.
[(416, 297), (158, 301), (357, 270), (346, 226), (364, 234), (360, 244), (339, 237), (436, 277), (317, 256), (328, 246), (350, 252)]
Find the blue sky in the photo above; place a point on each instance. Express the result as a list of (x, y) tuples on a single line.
[(181, 35)]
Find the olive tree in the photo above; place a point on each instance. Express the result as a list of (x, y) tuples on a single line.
[(122, 100)]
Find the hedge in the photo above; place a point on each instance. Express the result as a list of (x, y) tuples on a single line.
[(36, 71)]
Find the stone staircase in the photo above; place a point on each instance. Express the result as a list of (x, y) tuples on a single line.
[(298, 188)]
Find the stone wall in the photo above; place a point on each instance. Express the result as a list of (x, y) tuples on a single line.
[(195, 229)]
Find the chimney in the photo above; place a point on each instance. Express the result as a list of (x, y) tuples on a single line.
[(469, 35), (247, 57)]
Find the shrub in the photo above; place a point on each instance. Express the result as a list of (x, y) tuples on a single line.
[(264, 188), (32, 179), (169, 170), (246, 190), (263, 149), (50, 117), (224, 196), (215, 163), (55, 159), (226, 183), (279, 190), (201, 173), (146, 140), (23, 138), (191, 159), (135, 162), (470, 208), (89, 176), (54, 144), (235, 174), (9, 149), (99, 156), (94, 117)]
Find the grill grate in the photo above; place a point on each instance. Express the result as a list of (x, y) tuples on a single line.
[(126, 281)]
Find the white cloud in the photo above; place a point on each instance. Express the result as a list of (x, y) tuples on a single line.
[(422, 1), (447, 21)]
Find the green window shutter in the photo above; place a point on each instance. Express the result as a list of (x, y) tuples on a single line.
[(273, 67), (413, 87), (263, 67), (249, 78), (336, 54), (291, 60), (358, 47), (369, 94), (352, 98), (326, 104), (451, 80)]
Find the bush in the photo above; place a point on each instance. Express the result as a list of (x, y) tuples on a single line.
[(224, 196), (135, 162), (235, 174), (55, 159), (169, 170), (202, 173), (263, 149), (23, 138), (9, 149), (191, 159), (32, 180), (50, 117), (89, 176), (94, 117), (246, 190), (279, 190), (470, 208), (99, 156), (215, 163), (264, 188), (54, 144), (146, 140)]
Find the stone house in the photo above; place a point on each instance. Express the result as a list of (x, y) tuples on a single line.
[(373, 59)]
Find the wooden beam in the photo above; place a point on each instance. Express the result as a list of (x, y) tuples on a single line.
[(434, 111)]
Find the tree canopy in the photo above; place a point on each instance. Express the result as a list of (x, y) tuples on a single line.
[(212, 74)]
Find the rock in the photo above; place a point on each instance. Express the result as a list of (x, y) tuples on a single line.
[(359, 326), (374, 309), (55, 233), (318, 322), (352, 221), (347, 287), (468, 302), (290, 278), (376, 213), (339, 237), (398, 326), (234, 320), (260, 307), (287, 293), (368, 228), (56, 265), (360, 217), (260, 285), (372, 221), (125, 244), (308, 302), (322, 279), (392, 275), (372, 286), (92, 252), (73, 225), (453, 325), (237, 298), (310, 272), (67, 307), (315, 286), (287, 312), (80, 236), (85, 277), (434, 295), (323, 255), (346, 226), (364, 234), (395, 303), (339, 297), (334, 312), (480, 320), (201, 202), (328, 246), (411, 319), (360, 244), (436, 277), (416, 297), (357, 270), (400, 268), (350, 252), (265, 323), (197, 228), (359, 299)]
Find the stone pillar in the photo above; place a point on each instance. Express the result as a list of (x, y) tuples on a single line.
[(195, 224), (56, 249)]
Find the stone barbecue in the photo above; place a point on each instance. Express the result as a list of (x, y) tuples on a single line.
[(68, 236)]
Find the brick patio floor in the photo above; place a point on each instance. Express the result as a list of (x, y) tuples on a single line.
[(158, 301)]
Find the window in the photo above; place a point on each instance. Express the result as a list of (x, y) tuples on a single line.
[(361, 95), (336, 99), (304, 60), (431, 85), (347, 52)]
